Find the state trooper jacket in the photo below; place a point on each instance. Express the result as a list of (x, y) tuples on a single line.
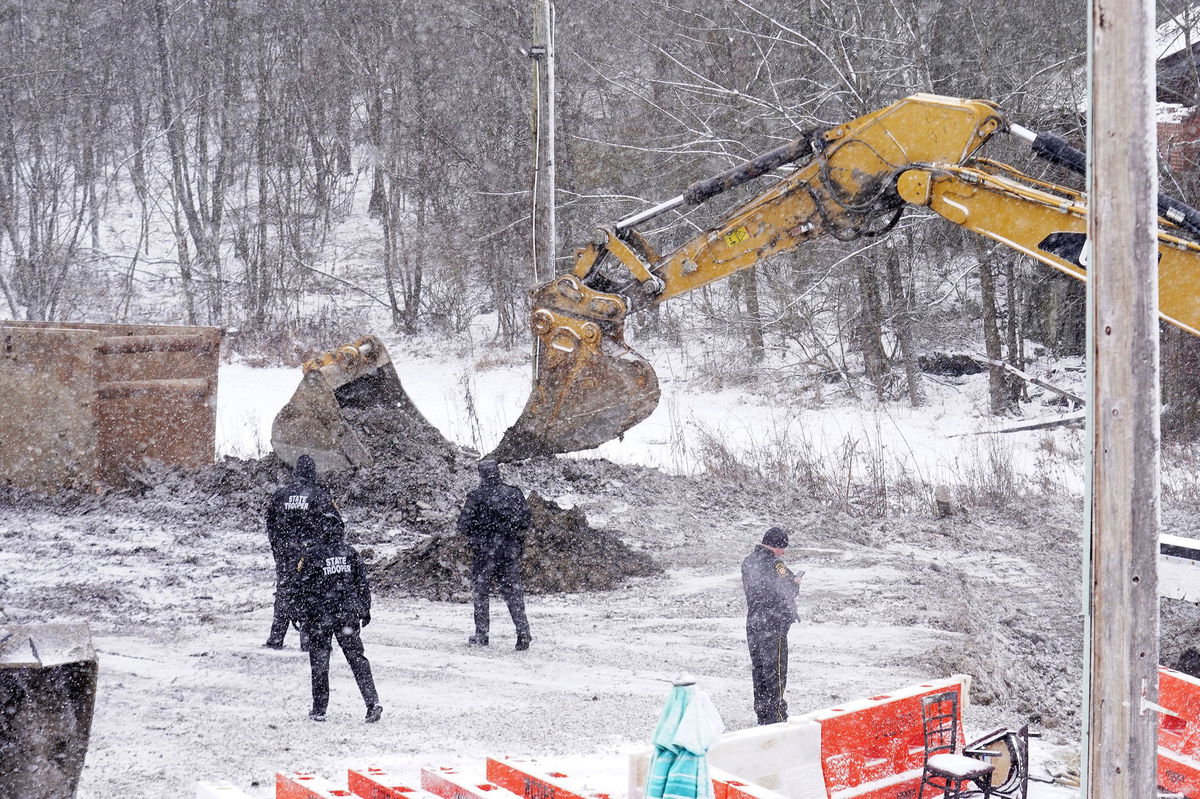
[(494, 518), (299, 515), (331, 584), (770, 590)]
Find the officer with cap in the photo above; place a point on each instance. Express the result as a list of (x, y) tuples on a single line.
[(771, 589), (297, 517)]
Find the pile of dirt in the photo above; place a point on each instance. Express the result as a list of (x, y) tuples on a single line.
[(413, 491), (563, 554), (418, 477)]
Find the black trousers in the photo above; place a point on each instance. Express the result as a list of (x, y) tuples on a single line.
[(283, 612), (768, 668), (505, 571), (320, 644)]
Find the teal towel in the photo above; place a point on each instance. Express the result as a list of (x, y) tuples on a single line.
[(688, 726)]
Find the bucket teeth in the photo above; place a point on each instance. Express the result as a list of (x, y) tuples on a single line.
[(590, 386)]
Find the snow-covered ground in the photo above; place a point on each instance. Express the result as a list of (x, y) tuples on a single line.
[(179, 596)]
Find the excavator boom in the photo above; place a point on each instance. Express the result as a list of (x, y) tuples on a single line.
[(848, 181), (590, 387)]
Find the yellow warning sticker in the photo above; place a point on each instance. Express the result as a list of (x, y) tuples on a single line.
[(737, 236)]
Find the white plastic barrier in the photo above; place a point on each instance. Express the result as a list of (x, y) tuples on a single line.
[(754, 755)]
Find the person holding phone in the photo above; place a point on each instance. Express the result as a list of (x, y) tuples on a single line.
[(771, 589)]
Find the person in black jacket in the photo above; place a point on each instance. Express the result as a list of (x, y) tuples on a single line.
[(331, 598), (771, 590), (494, 519), (295, 516)]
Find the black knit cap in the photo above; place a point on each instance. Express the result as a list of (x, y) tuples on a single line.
[(776, 537)]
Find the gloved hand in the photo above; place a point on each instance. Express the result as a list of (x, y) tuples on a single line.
[(366, 620)]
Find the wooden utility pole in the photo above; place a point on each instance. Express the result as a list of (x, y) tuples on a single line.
[(1121, 585), (541, 55)]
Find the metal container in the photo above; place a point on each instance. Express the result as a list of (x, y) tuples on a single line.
[(86, 403)]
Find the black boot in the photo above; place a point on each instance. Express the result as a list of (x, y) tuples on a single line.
[(478, 640)]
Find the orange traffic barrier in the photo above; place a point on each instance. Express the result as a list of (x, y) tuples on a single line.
[(375, 783), (721, 781), (448, 783), (905, 785), (737, 789), (530, 782), (306, 785), (1179, 732), (874, 748), (1178, 774)]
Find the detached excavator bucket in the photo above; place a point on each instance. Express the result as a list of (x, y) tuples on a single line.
[(47, 695), (589, 386), (318, 421)]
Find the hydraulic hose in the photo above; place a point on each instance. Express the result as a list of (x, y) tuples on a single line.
[(1056, 150), (704, 190)]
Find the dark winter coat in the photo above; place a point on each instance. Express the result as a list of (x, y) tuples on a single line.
[(495, 518), (331, 584), (770, 591), (299, 515)]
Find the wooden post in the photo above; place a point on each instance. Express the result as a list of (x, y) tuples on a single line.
[(1121, 603)]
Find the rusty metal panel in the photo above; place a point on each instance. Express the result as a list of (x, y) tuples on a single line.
[(158, 399), (48, 433), (129, 357), (170, 421), (120, 330), (149, 392)]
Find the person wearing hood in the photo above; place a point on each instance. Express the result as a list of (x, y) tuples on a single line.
[(771, 589), (332, 599), (295, 518), (494, 520)]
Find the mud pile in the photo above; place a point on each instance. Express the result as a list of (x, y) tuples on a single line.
[(413, 491), (416, 470), (419, 479), (563, 554)]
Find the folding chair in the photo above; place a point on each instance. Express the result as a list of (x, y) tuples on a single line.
[(945, 769)]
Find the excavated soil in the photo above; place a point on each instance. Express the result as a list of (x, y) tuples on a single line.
[(562, 554), (409, 497)]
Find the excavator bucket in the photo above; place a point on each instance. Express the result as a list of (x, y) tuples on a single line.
[(320, 418), (47, 695), (589, 385)]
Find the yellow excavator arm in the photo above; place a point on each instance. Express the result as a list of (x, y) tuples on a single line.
[(1047, 223), (848, 181)]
